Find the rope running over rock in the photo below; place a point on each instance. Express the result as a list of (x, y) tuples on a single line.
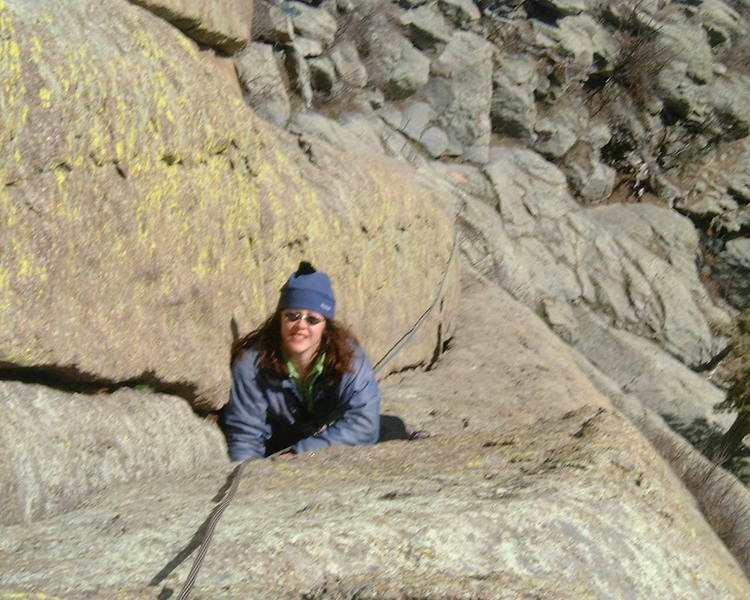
[(236, 475)]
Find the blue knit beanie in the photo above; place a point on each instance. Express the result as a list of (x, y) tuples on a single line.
[(309, 289)]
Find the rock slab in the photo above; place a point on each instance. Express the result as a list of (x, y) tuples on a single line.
[(60, 449), (145, 216), (534, 512), (222, 24)]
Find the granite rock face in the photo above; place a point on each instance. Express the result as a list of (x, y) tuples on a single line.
[(541, 511), (262, 79), (59, 449), (633, 263), (532, 486), (143, 214), (397, 67), (460, 90), (222, 24)]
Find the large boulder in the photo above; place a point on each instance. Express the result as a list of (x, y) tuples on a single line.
[(538, 511), (734, 115), (639, 367), (460, 90), (427, 27), (263, 81), (576, 47), (61, 448), (313, 23), (513, 107), (144, 215), (633, 264), (223, 24), (722, 23), (349, 66), (396, 66), (272, 24), (503, 504), (732, 270)]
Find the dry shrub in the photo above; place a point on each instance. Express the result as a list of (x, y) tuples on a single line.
[(356, 27), (506, 35), (639, 62), (723, 500), (741, 6), (737, 57)]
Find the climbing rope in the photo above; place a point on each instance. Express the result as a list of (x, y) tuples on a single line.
[(398, 346), (235, 476)]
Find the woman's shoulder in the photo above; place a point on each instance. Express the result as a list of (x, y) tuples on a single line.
[(359, 357), (247, 360)]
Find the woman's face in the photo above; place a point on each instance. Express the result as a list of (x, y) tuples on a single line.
[(301, 332)]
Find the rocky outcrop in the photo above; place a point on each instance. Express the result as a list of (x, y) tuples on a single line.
[(504, 511), (60, 449), (567, 147), (635, 263), (733, 268), (513, 108), (460, 90), (398, 68), (471, 388), (641, 368), (144, 215), (722, 498), (263, 80), (222, 24)]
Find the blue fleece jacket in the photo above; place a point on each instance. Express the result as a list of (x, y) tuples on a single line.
[(266, 413)]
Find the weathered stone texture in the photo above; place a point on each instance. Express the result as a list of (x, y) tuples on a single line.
[(260, 74), (142, 212), (541, 511), (311, 22), (513, 108), (223, 24), (500, 502), (460, 90), (427, 27), (633, 263), (60, 448), (397, 67)]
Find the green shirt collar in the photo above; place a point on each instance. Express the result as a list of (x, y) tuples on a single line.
[(305, 385)]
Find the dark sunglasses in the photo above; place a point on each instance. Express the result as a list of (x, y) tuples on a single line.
[(292, 316)]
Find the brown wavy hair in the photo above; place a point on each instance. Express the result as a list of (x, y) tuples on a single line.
[(337, 342)]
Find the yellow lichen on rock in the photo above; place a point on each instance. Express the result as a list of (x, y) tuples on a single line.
[(150, 209)]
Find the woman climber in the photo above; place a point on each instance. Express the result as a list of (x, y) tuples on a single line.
[(300, 380)]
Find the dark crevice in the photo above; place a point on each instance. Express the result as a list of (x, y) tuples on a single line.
[(122, 170), (72, 380), (714, 362), (438, 348), (32, 208), (544, 11), (701, 223), (733, 235), (410, 367), (306, 147), (170, 159)]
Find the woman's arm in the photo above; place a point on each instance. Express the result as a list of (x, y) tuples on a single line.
[(244, 417), (360, 422)]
